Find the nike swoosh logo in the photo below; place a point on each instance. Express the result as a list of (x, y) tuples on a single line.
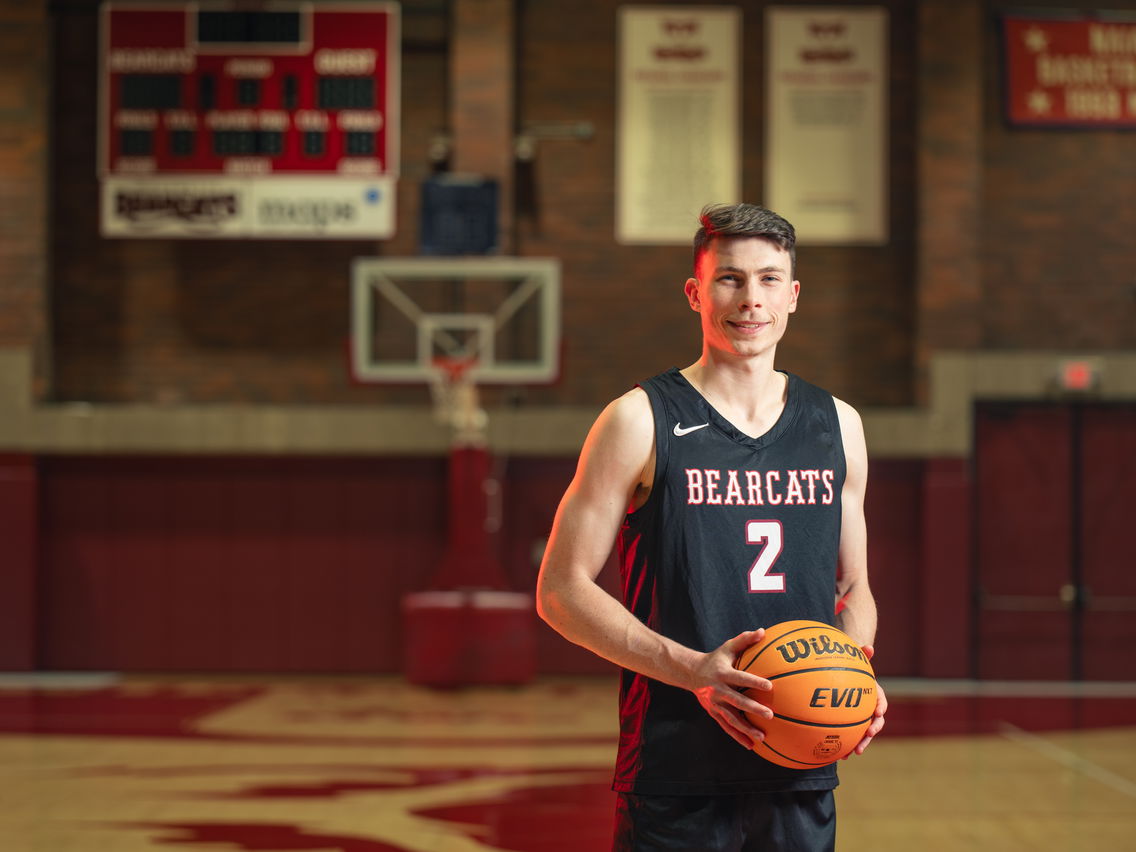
[(679, 431)]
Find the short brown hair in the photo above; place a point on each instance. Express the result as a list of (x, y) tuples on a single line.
[(744, 220)]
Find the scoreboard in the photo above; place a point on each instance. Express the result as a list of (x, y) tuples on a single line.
[(268, 120)]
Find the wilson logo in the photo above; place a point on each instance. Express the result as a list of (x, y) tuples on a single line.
[(821, 646)]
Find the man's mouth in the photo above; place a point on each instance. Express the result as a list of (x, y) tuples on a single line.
[(748, 326)]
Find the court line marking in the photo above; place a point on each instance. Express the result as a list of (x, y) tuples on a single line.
[(897, 687), (901, 687), (58, 680), (1067, 758)]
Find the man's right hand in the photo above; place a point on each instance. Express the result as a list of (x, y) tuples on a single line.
[(716, 683)]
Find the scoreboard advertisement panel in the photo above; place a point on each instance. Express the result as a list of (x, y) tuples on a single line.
[(267, 120)]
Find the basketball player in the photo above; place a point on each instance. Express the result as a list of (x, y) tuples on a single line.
[(734, 492)]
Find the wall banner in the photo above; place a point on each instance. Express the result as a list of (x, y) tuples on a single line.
[(826, 134), (678, 130), (1070, 72)]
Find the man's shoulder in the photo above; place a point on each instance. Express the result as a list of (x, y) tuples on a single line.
[(620, 442), (804, 384), (637, 402), (847, 416), (851, 428), (631, 409), (628, 415), (844, 409), (821, 393)]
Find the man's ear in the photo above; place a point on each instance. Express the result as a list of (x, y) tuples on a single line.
[(692, 294)]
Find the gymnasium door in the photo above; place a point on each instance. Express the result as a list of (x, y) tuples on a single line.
[(1055, 585)]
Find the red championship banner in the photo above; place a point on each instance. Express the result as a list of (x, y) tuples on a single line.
[(1070, 72)]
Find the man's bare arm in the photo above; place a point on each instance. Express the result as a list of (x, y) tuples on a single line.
[(858, 617), (616, 464)]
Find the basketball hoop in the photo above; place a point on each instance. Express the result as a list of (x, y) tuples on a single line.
[(456, 400)]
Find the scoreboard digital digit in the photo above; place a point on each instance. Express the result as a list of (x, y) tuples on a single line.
[(266, 120)]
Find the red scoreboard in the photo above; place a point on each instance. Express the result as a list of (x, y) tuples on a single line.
[(269, 120)]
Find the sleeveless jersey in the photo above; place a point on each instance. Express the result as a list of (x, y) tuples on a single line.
[(737, 533)]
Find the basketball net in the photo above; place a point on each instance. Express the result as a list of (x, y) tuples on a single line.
[(456, 401)]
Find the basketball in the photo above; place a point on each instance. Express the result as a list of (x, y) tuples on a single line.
[(823, 697)]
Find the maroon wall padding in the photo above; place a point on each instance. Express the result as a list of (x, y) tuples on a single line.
[(19, 534), (892, 510), (1055, 488), (943, 572), (529, 499), (286, 564), (179, 564), (1023, 486), (1108, 496)]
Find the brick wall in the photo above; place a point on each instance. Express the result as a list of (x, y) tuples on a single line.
[(173, 321), (215, 321), (949, 180), (23, 168), (624, 307), (1059, 222)]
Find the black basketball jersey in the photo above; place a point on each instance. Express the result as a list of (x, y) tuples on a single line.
[(737, 533)]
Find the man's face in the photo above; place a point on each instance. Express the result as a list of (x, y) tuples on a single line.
[(744, 291)]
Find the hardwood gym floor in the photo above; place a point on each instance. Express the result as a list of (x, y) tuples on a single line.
[(93, 763)]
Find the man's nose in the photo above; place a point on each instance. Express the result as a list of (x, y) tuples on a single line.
[(751, 295)]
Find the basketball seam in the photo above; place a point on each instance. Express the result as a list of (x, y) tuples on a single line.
[(822, 724), (793, 759), (821, 669)]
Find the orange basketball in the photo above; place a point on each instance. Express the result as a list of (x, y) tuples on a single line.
[(823, 698)]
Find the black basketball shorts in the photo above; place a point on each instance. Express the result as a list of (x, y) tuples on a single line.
[(802, 821)]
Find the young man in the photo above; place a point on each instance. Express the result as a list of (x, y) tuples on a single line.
[(734, 492)]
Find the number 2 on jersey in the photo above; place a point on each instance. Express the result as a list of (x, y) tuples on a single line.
[(768, 534)]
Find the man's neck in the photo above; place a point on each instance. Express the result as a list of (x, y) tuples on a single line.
[(749, 392)]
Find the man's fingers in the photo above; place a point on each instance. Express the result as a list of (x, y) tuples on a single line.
[(734, 648), (748, 705), (724, 695), (737, 727), (877, 725), (748, 680), (862, 746), (881, 703), (738, 737), (743, 640), (724, 699)]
